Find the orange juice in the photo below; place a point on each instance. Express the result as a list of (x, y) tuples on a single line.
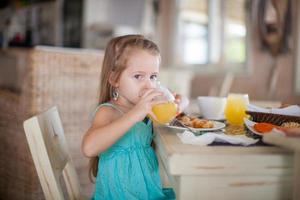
[(164, 112), (235, 108)]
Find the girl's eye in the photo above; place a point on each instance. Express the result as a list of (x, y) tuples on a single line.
[(138, 76), (153, 77)]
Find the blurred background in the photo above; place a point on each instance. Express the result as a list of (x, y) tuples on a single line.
[(52, 50), (206, 43)]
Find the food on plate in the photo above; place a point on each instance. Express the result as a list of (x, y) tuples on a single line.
[(195, 122), (291, 125), (264, 127)]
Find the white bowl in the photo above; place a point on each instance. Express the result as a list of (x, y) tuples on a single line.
[(212, 107)]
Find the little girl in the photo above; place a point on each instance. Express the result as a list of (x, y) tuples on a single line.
[(119, 140)]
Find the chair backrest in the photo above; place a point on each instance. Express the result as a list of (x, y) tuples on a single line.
[(47, 143)]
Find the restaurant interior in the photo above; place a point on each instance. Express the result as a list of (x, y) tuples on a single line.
[(51, 53)]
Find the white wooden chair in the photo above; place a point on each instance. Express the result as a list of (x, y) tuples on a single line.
[(47, 143)]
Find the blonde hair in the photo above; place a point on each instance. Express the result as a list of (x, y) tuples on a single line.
[(115, 61)]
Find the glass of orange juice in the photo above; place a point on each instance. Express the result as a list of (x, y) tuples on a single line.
[(165, 112), (235, 109)]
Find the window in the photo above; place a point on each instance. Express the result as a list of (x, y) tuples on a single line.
[(235, 31), (209, 32), (193, 32)]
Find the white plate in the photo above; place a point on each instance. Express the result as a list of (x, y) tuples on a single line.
[(217, 126), (250, 125)]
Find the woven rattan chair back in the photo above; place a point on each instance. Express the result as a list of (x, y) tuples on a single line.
[(47, 143)]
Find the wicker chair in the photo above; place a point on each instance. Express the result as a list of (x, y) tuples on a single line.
[(68, 78)]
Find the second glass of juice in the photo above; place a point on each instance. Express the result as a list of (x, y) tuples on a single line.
[(235, 109)]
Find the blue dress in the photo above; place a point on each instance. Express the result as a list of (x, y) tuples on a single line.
[(129, 169)]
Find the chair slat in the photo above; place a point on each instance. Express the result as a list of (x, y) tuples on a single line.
[(70, 177), (47, 144)]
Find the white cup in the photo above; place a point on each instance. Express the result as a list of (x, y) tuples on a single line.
[(212, 107)]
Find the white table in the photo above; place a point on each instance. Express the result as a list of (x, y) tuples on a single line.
[(224, 172), (292, 143)]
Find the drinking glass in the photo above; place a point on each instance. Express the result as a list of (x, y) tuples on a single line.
[(165, 112), (235, 109)]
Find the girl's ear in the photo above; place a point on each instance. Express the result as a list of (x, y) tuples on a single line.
[(112, 79)]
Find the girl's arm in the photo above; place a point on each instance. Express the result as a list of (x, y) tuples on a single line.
[(107, 128)]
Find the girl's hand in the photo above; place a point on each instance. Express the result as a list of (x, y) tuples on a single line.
[(181, 101), (147, 100), (292, 132)]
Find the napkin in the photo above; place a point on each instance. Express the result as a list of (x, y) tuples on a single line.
[(293, 110), (188, 137)]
